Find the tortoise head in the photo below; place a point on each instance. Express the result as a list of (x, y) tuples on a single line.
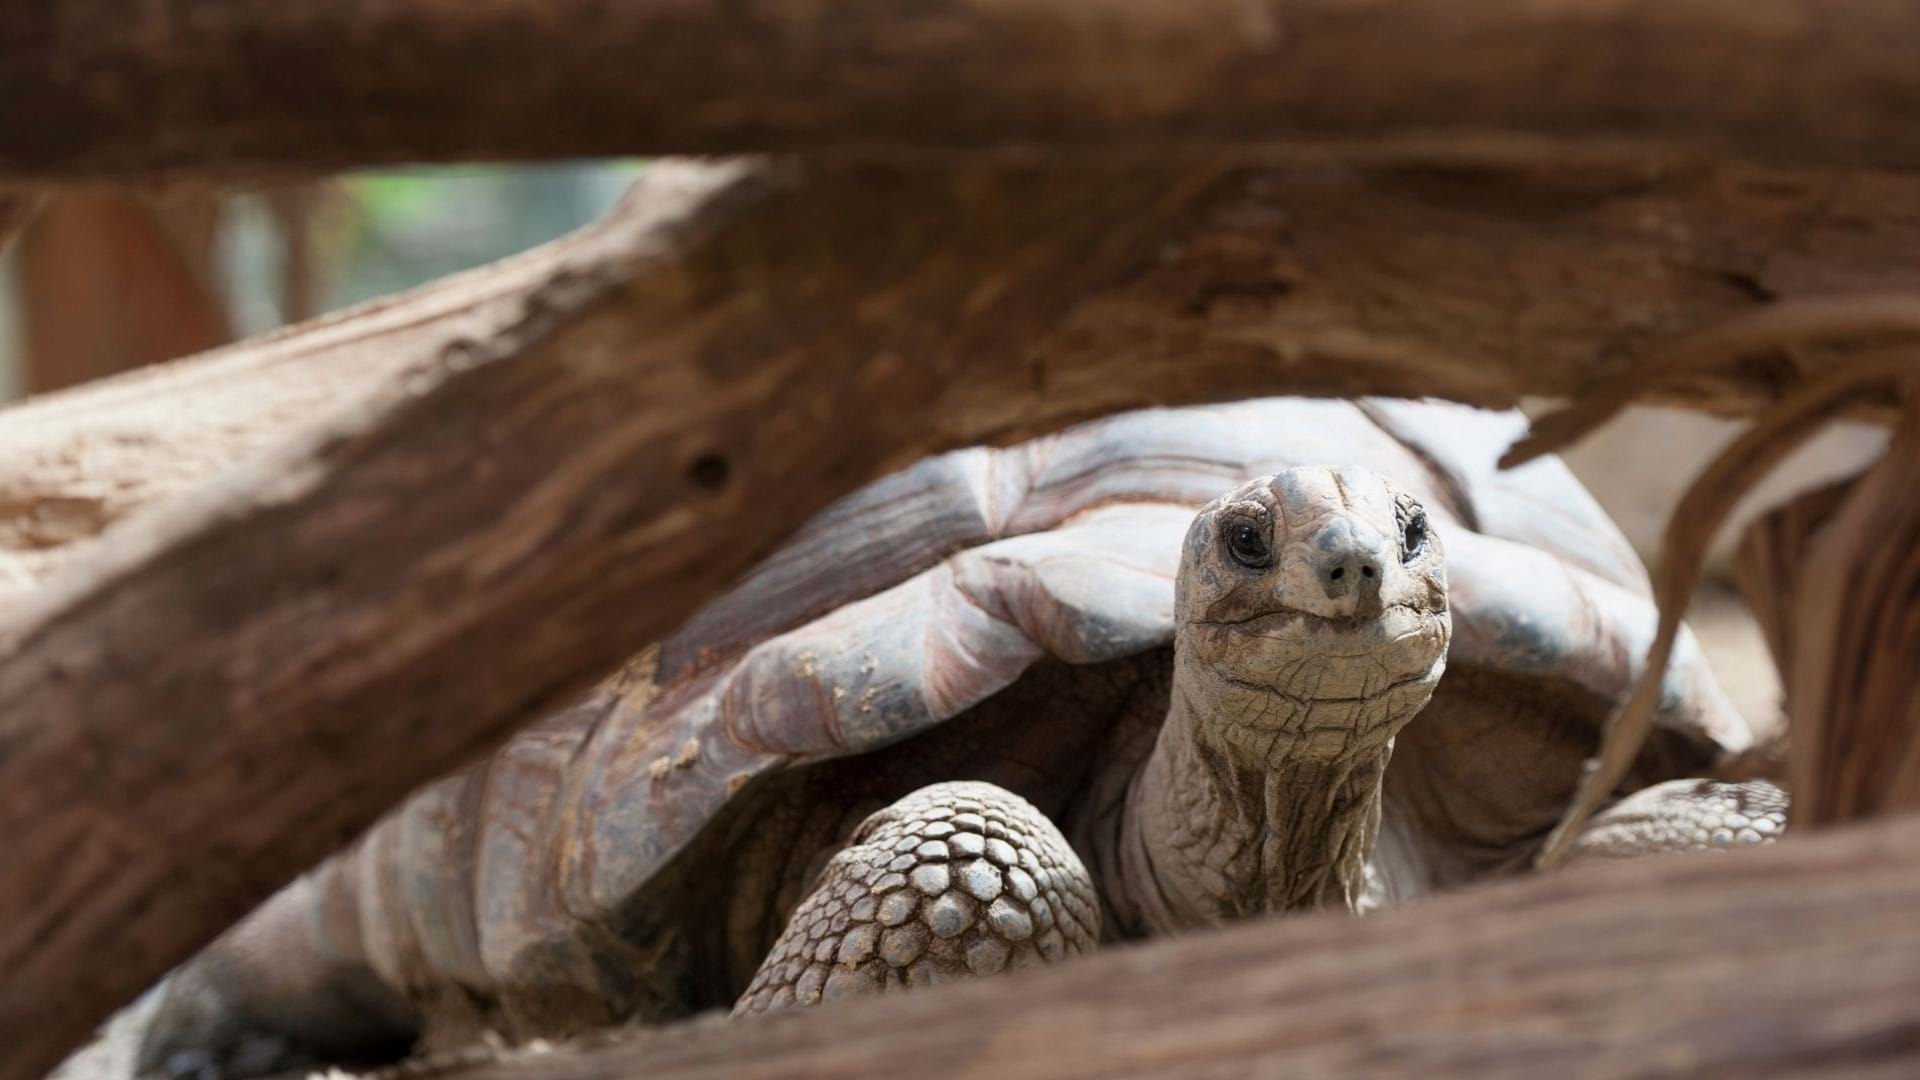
[(1311, 611)]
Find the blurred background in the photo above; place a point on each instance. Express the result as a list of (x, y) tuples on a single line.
[(105, 282)]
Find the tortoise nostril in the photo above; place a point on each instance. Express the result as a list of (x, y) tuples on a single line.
[(1338, 573), (1366, 571)]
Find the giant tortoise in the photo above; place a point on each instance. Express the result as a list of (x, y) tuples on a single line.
[(1005, 705)]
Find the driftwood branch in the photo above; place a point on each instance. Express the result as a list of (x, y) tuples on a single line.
[(1853, 674), (1533, 281), (228, 688), (73, 464), (513, 483), (535, 471), (218, 84), (1804, 957), (1774, 555)]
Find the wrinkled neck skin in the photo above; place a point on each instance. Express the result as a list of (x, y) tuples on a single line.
[(1254, 802)]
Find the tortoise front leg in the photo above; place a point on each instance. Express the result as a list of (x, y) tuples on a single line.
[(1684, 815), (954, 880)]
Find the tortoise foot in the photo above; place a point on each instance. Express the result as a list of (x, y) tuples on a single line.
[(955, 880), (1685, 815), (254, 1056)]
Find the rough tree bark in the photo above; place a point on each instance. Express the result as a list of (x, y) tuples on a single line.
[(224, 84), (557, 462), (1802, 959), (544, 499), (74, 463), (556, 469), (1773, 556), (546, 455), (1540, 280), (1837, 571)]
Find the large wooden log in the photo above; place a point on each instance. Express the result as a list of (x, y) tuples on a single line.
[(230, 687), (74, 463), (323, 85), (548, 467), (1801, 959), (1539, 281)]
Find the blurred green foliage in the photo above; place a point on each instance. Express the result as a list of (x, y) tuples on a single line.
[(374, 233), (381, 232)]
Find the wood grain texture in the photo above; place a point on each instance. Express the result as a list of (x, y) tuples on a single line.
[(1852, 673), (1800, 959), (74, 463), (228, 85), (204, 684), (550, 465), (1483, 284), (1774, 554), (511, 515), (900, 608)]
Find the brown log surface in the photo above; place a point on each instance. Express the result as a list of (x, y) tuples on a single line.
[(74, 463), (549, 466), (325, 85), (234, 685), (508, 517), (1774, 555), (1852, 672), (1802, 959), (1536, 281)]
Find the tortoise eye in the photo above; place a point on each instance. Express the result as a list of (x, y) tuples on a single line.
[(1248, 546), (1413, 535)]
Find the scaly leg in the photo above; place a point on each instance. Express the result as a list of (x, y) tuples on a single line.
[(1684, 815), (954, 880)]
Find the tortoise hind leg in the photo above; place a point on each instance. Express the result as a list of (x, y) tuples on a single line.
[(1684, 815), (954, 880), (276, 993)]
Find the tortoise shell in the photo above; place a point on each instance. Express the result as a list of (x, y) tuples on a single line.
[(999, 613)]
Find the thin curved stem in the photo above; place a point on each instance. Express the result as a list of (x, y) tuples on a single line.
[(1804, 322), (1773, 436)]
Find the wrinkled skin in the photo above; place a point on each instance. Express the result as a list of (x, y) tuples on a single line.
[(1241, 775), (1312, 626), (1319, 642)]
